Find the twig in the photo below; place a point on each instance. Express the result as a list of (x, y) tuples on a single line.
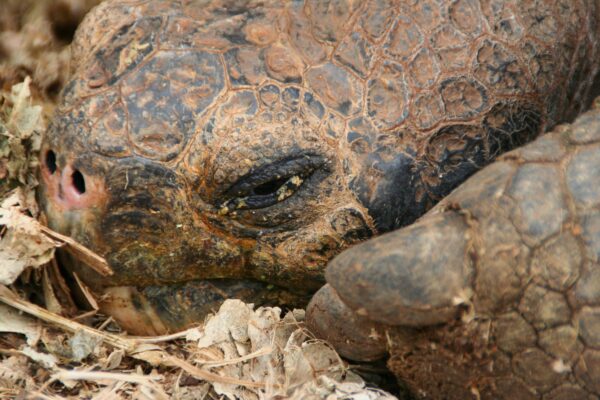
[(208, 376), (82, 253), (43, 396), (153, 356), (11, 299), (163, 338), (110, 392), (95, 376), (259, 353), (85, 315)]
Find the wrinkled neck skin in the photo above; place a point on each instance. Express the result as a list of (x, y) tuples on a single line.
[(204, 164)]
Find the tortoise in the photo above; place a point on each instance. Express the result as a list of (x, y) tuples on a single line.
[(232, 148)]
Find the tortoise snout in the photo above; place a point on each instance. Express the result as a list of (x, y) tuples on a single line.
[(67, 187)]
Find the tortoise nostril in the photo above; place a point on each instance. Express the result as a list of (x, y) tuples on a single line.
[(51, 161), (78, 181)]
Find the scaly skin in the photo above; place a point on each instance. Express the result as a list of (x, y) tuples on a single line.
[(496, 291), (232, 148)]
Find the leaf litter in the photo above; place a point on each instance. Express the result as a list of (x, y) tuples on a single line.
[(49, 349)]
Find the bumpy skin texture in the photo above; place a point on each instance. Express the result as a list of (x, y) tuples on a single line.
[(232, 148), (498, 293)]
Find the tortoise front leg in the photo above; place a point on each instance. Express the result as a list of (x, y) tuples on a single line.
[(496, 292)]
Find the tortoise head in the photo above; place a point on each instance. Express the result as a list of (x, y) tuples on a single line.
[(246, 192), (156, 161), (250, 188)]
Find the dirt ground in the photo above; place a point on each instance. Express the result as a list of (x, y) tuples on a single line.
[(49, 347)]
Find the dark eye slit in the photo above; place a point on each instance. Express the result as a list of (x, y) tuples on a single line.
[(271, 183), (269, 187), (277, 193), (268, 178)]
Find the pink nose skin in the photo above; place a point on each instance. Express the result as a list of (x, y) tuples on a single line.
[(68, 189)]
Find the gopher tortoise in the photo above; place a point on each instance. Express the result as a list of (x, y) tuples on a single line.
[(232, 148)]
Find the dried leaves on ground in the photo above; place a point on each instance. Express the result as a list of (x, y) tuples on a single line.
[(239, 353)]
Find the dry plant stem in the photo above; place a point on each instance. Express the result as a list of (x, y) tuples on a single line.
[(110, 392), (162, 338), (100, 375), (43, 396), (208, 376), (259, 353), (128, 345), (10, 352), (9, 298), (82, 253), (8, 392), (87, 293), (85, 315)]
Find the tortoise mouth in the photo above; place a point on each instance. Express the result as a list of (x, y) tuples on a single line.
[(151, 306), (158, 310)]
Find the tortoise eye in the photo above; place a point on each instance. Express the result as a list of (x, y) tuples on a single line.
[(271, 184), (266, 194)]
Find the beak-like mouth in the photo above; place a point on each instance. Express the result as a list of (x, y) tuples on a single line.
[(157, 310)]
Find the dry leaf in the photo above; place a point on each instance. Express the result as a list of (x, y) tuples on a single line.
[(83, 344), (331, 389), (302, 368), (20, 139), (23, 245), (294, 365), (27, 243), (303, 363), (12, 320), (44, 359), (113, 360), (24, 118), (231, 322), (14, 372)]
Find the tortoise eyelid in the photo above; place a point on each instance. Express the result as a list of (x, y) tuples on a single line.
[(282, 169)]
